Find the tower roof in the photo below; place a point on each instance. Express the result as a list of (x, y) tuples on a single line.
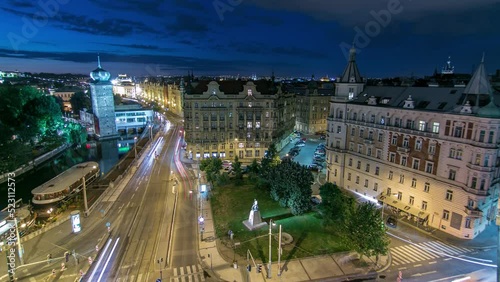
[(99, 74), (351, 72), (479, 83)]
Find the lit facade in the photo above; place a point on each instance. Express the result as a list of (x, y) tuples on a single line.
[(429, 153), (313, 105), (236, 118), (167, 95)]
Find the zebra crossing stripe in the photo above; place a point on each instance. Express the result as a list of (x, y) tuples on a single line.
[(457, 250), (444, 249), (436, 249), (400, 257), (423, 252)]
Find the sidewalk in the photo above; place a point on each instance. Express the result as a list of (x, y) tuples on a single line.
[(222, 264)]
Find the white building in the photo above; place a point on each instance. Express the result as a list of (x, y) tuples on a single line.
[(429, 153)]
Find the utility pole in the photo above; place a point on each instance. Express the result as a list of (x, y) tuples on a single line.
[(279, 253), (270, 238), (85, 198), (19, 247)]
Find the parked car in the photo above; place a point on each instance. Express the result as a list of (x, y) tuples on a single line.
[(391, 221), (319, 153), (319, 158), (293, 153), (300, 144), (226, 163), (316, 199), (315, 167)]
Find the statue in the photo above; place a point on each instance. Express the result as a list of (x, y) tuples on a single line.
[(254, 220), (255, 206)]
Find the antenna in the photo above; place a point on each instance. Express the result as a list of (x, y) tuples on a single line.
[(98, 61)]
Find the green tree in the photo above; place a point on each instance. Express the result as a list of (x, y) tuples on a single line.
[(43, 115), (117, 99), (290, 185), (238, 174), (211, 167), (79, 101), (365, 232), (335, 204)]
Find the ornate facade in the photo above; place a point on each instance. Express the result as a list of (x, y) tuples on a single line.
[(167, 95), (313, 106), (429, 153), (236, 118)]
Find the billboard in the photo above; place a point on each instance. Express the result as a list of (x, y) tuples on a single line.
[(75, 221)]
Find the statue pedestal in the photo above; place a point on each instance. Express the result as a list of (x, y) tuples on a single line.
[(254, 221)]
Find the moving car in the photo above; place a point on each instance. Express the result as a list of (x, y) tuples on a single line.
[(391, 221)]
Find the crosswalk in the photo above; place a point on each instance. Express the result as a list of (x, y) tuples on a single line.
[(191, 273), (424, 251)]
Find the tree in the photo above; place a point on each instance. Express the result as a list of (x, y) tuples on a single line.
[(117, 99), (43, 115), (334, 205), (79, 101), (365, 232), (237, 169), (211, 167), (290, 185), (253, 169)]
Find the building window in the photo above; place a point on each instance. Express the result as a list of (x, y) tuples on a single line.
[(483, 183), (446, 215), (404, 160), (458, 131), (335, 173), (367, 169), (390, 175), (413, 182), (377, 170), (360, 148), (449, 195), (350, 162), (357, 179), (389, 191), (400, 195), (249, 124), (379, 154), (401, 179), (366, 182), (409, 124), (353, 131), (336, 158), (432, 149), (490, 137), (482, 134), (427, 187), (349, 176), (422, 126), (424, 205), (380, 137), (394, 140), (468, 223), (418, 145), (435, 127), (473, 183), (429, 167), (411, 201), (375, 187), (351, 146), (359, 165), (392, 157), (406, 142), (416, 164), (339, 129), (452, 174), (361, 133), (453, 153), (369, 152)]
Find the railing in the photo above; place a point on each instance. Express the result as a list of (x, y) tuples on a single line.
[(476, 192), (403, 149), (480, 168)]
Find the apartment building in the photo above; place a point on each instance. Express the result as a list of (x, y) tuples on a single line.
[(430, 154), (167, 95), (236, 118), (313, 106)]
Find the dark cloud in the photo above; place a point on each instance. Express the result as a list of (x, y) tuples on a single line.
[(109, 26), (185, 23), (136, 46), (163, 61), (156, 8), (264, 49), (189, 5), (21, 3)]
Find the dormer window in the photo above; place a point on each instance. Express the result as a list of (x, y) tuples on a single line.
[(214, 91), (249, 92)]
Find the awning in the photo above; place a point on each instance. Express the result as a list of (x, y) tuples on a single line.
[(393, 202)]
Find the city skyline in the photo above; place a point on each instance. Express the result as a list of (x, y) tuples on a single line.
[(392, 37)]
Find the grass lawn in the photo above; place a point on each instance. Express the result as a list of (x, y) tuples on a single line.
[(231, 205)]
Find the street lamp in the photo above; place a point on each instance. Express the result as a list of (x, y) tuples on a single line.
[(135, 147), (150, 132), (270, 238)]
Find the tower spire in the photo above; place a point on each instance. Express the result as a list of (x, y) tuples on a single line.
[(98, 61)]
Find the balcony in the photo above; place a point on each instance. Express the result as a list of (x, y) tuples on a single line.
[(480, 168), (368, 141), (403, 149), (476, 192), (473, 212)]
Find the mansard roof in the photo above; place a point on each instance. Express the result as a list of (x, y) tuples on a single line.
[(265, 87)]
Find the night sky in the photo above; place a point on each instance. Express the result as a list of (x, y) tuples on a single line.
[(231, 37)]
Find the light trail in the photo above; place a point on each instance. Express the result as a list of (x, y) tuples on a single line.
[(109, 258), (100, 259)]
